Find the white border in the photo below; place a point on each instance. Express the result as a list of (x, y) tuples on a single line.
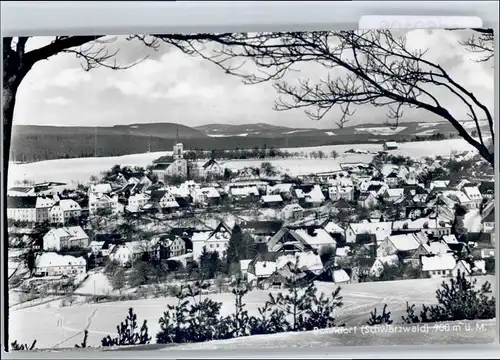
[(24, 18)]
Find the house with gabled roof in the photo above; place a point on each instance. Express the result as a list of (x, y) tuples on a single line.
[(403, 244), (392, 179), (291, 212), (301, 238), (216, 240), (211, 169), (65, 238), (438, 266), (367, 200), (380, 229)]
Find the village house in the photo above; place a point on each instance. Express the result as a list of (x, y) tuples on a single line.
[(104, 202), (477, 267), (284, 190), (301, 238), (95, 247), (342, 276), (216, 240), (271, 200), (367, 200), (474, 195), (261, 231), (168, 246), (380, 229), (244, 194), (380, 264), (390, 145), (392, 179), (442, 184), (64, 210), (291, 212), (211, 169), (339, 192), (22, 208), (127, 253), (310, 195), (205, 196), (167, 202), (438, 266), (393, 194), (404, 244), (137, 202), (65, 238), (176, 166), (53, 264)]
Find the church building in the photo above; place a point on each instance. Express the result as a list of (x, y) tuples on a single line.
[(174, 166)]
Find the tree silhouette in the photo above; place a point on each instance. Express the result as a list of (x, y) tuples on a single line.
[(377, 68)]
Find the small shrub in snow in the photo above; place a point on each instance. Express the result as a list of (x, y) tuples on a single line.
[(380, 319), (15, 346), (127, 333), (457, 299)]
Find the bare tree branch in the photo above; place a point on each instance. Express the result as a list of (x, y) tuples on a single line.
[(370, 67)]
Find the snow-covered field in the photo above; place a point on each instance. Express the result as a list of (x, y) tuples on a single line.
[(381, 131), (74, 171), (41, 322)]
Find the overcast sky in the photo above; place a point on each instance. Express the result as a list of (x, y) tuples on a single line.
[(173, 87)]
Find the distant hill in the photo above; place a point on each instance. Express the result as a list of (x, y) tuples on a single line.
[(362, 130), (162, 130), (35, 143)]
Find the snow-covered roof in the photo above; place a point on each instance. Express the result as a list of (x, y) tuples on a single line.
[(380, 229), (201, 235), (450, 239), (50, 259), (342, 251), (306, 260), (138, 197), (438, 247), (315, 195), (438, 262), (244, 265), (42, 202), (340, 276), (271, 198), (210, 192), (460, 196), (333, 228), (318, 237), (405, 242), (395, 193), (387, 260), (245, 191), (75, 232), (439, 183), (472, 192), (292, 207), (279, 188), (265, 268), (103, 188), (69, 205)]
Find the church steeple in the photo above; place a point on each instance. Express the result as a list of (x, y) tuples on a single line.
[(178, 147)]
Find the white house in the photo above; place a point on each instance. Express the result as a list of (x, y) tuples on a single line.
[(394, 194), (137, 201), (291, 212), (211, 169), (439, 184), (390, 145), (301, 239), (125, 254), (340, 192), (474, 195), (438, 266), (381, 262), (205, 196), (64, 238), (199, 240), (22, 208), (395, 244), (285, 190), (53, 264), (367, 200), (64, 210), (380, 229), (104, 202), (168, 201)]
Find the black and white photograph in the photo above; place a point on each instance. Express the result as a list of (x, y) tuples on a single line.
[(250, 190)]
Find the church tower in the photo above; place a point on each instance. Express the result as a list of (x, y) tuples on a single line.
[(178, 148)]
